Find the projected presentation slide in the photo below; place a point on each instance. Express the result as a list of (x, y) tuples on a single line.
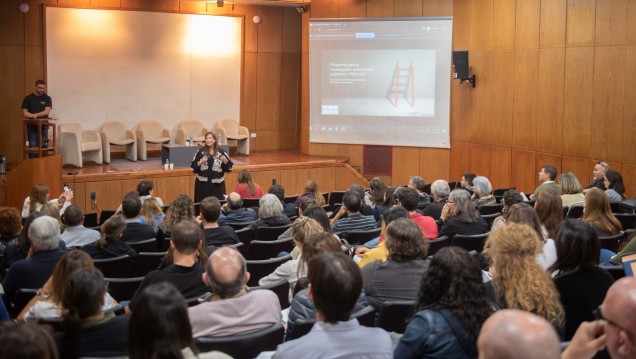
[(383, 82)]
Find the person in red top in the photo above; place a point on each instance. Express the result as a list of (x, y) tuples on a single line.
[(246, 187), (409, 199)]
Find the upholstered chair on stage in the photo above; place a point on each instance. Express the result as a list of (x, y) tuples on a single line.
[(150, 131), (190, 127), (77, 145), (116, 133), (227, 130)]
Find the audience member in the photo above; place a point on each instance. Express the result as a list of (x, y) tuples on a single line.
[(311, 190), (44, 253), (615, 188), (51, 210), (288, 208), (10, 228), (235, 212), (76, 235), (380, 252), (483, 192), (377, 189), (270, 213), (512, 333), (598, 174), (215, 235), (47, 303), (510, 197), (439, 193), (246, 187), (466, 182), (181, 209), (460, 217), (354, 221), (598, 213), (550, 211), (451, 309), (40, 196), (334, 285), (518, 282), (88, 332), (184, 272), (144, 189), (571, 191), (19, 250), (522, 213), (160, 327), (26, 341), (417, 183), (383, 206), (151, 214), (408, 198), (581, 283), (365, 210), (232, 308), (407, 252), (109, 245), (135, 231), (547, 175)]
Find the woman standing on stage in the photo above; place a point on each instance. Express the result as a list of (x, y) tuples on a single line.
[(210, 164)]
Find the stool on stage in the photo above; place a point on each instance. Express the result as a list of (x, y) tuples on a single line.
[(41, 150)]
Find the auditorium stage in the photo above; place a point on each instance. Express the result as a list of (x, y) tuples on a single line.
[(108, 183)]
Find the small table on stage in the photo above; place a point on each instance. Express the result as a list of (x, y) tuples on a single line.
[(41, 150), (180, 155)]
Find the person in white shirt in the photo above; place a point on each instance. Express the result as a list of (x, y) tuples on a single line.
[(40, 195)]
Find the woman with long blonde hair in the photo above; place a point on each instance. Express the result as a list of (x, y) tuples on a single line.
[(598, 213), (311, 191), (518, 282)]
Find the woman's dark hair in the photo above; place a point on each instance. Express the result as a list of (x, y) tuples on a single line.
[(510, 197), (82, 298), (377, 190), (24, 242), (616, 181), (112, 230), (549, 207), (26, 341), (405, 241), (318, 213), (215, 147), (577, 246), (453, 282), (522, 213), (10, 223), (389, 200), (159, 326)]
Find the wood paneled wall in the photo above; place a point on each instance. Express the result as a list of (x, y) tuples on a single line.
[(270, 99), (555, 85)]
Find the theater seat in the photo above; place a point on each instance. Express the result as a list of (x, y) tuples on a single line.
[(229, 131), (77, 145), (150, 131)]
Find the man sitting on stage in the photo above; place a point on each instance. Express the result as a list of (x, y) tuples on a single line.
[(34, 106)]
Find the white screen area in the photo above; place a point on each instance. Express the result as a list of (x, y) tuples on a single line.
[(132, 66), (380, 82)]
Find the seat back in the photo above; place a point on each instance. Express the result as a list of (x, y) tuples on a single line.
[(105, 215), (268, 249), (490, 208), (146, 262), (247, 345), (123, 288), (118, 267), (269, 233), (394, 314), (361, 237), (75, 128), (500, 191), (114, 129), (147, 245), (366, 316), (436, 244), (251, 202), (245, 235), (238, 225), (473, 242), (230, 126), (628, 220), (90, 219), (335, 197), (192, 127), (617, 272), (261, 268), (612, 243), (490, 218), (21, 298), (575, 212), (151, 128), (280, 288)]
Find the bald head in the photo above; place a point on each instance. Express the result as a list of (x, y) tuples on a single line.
[(226, 272), (618, 308), (234, 201), (513, 333)]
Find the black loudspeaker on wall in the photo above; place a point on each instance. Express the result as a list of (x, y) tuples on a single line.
[(460, 63)]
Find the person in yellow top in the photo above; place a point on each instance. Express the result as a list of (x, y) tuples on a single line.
[(366, 255)]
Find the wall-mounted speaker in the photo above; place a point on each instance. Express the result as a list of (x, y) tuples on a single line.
[(460, 60)]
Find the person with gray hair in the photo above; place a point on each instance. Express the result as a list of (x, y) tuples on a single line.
[(440, 190), (418, 184), (460, 217), (270, 213), (483, 192), (44, 253)]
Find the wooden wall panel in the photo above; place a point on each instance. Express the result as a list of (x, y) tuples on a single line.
[(577, 101), (108, 193), (434, 164), (523, 170), (344, 179), (406, 163), (581, 22), (250, 38), (408, 8), (503, 34), (631, 24), (480, 96), (579, 166), (268, 96), (33, 34), (498, 123), (460, 111), (629, 115), (609, 72), (500, 167), (527, 24), (550, 100), (134, 4), (13, 23), (381, 8), (291, 31), (459, 161), (11, 95), (350, 8), (324, 9), (81, 198), (188, 6), (479, 157), (263, 178), (629, 176), (461, 24), (524, 121), (324, 177), (289, 88), (270, 29), (437, 7), (481, 25), (354, 152), (611, 22), (168, 188), (294, 181), (553, 23), (248, 91)]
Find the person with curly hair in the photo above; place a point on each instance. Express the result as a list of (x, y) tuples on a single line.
[(598, 213), (407, 260), (518, 282), (181, 209), (20, 249), (452, 307), (311, 190), (10, 228)]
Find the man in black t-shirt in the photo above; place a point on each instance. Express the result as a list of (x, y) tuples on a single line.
[(36, 105)]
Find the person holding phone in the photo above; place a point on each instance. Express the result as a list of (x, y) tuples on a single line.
[(210, 164)]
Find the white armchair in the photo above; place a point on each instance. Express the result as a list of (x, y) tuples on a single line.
[(150, 131), (77, 145), (229, 130), (117, 134), (190, 127)]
